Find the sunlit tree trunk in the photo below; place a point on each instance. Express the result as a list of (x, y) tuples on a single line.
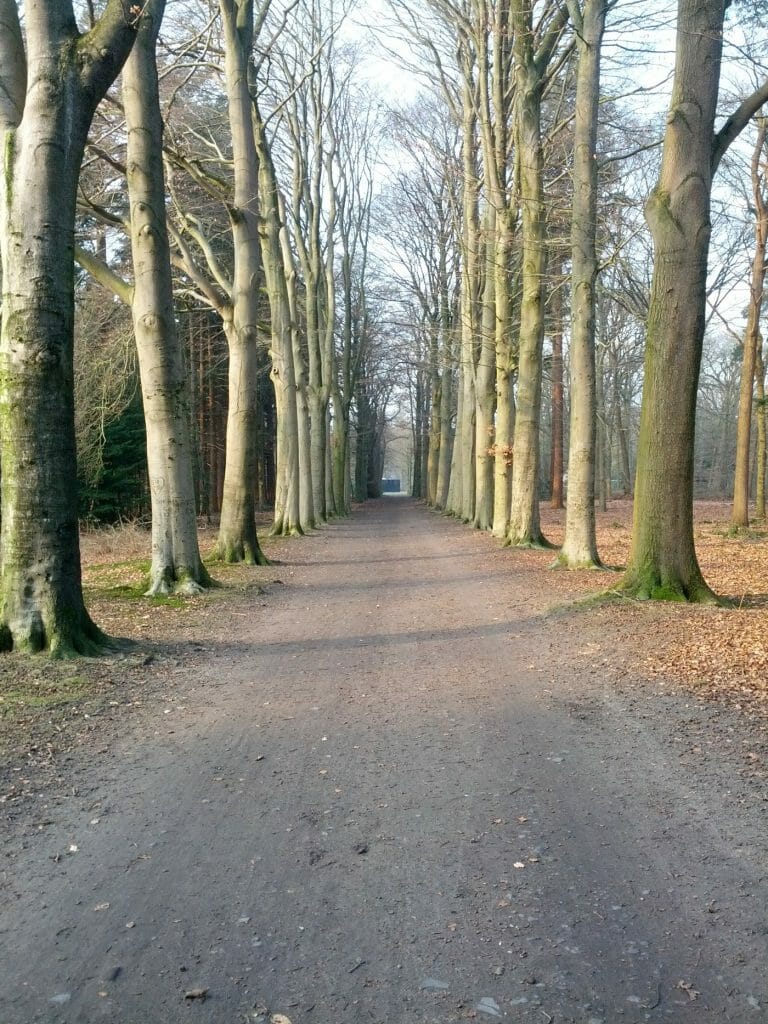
[(530, 70), (288, 519), (663, 561), (446, 400), (44, 121), (433, 458), (580, 543), (485, 384), (462, 492), (237, 540), (176, 562)]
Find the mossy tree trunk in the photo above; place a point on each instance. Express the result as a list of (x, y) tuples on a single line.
[(579, 548), (44, 121), (176, 562), (663, 561)]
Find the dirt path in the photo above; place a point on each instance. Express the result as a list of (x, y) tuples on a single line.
[(394, 796)]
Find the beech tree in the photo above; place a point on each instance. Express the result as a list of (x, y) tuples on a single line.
[(535, 50), (663, 561), (176, 562), (580, 543), (44, 122), (752, 336)]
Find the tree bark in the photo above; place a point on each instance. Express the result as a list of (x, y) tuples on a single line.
[(556, 460), (462, 490), (237, 540), (176, 562), (760, 447), (485, 384), (663, 561), (579, 548), (292, 517), (44, 121), (524, 524), (740, 512)]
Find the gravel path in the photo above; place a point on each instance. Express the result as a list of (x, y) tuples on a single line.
[(401, 793)]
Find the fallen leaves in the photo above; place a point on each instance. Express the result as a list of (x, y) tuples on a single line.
[(690, 991), (721, 654)]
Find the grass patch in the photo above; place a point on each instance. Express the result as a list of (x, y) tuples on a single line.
[(42, 693)]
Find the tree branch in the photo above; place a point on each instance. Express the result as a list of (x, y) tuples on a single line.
[(13, 66), (100, 272), (737, 122)]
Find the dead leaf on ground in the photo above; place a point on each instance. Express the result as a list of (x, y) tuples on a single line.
[(686, 987)]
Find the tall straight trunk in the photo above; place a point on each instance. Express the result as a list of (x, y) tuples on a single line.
[(556, 456), (304, 482), (495, 92), (237, 540), (433, 443), (622, 432), (446, 407), (44, 122), (340, 454), (580, 543), (740, 512), (602, 454), (176, 562), (760, 447), (663, 561), (505, 402), (524, 523), (288, 519), (485, 385), (463, 481)]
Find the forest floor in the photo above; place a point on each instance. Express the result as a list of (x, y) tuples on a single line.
[(398, 775)]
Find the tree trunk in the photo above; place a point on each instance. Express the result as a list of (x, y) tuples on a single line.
[(524, 524), (463, 483), (434, 433), (485, 385), (288, 520), (237, 540), (446, 407), (760, 447), (44, 122), (740, 513), (663, 561), (556, 460), (505, 401), (176, 562), (580, 542)]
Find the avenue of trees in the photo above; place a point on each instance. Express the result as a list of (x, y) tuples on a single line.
[(221, 253)]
